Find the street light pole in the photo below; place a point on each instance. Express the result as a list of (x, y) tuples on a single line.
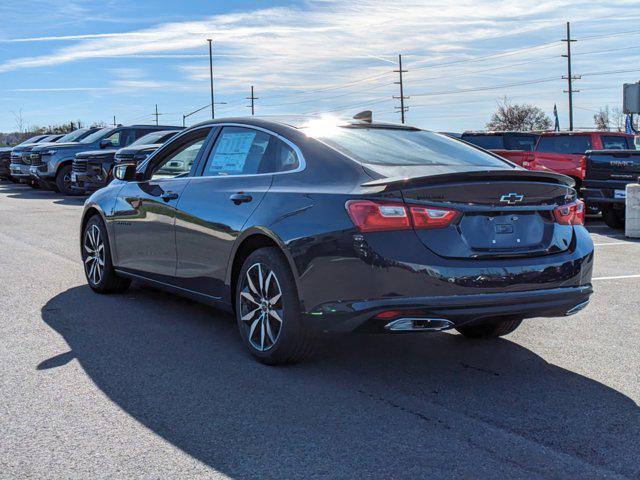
[(213, 112)]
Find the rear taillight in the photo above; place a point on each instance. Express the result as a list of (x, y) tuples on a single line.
[(583, 167), (570, 214), (371, 216), (375, 217), (429, 217)]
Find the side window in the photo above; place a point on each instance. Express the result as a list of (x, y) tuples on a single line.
[(116, 138), (245, 151), (179, 162), (614, 143), (138, 133)]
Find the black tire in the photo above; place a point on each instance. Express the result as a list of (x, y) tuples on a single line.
[(613, 217), (293, 341), (34, 184), (106, 281), (490, 330), (63, 180)]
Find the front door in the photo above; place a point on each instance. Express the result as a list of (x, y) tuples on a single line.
[(145, 211)]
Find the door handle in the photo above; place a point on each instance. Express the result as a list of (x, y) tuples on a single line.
[(169, 196), (240, 197)]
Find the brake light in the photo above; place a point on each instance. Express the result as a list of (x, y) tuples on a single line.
[(429, 217), (371, 216), (583, 167), (570, 214)]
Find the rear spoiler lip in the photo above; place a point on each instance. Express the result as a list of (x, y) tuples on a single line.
[(497, 174)]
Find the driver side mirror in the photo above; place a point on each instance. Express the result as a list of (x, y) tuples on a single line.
[(105, 143), (125, 172)]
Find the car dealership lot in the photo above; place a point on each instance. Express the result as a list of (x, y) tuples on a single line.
[(147, 384)]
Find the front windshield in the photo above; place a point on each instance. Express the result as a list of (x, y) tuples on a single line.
[(153, 138), (97, 135), (402, 147), (35, 139), (74, 136)]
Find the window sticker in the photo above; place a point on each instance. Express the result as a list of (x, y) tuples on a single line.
[(231, 152)]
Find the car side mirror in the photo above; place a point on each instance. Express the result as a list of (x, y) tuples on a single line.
[(105, 143), (125, 172)]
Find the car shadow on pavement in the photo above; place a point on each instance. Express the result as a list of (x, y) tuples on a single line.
[(179, 369), (25, 192)]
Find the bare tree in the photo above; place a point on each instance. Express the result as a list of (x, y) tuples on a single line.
[(602, 119), (520, 117), (19, 119)]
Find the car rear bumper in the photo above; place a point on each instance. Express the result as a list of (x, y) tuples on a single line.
[(458, 310), (604, 195)]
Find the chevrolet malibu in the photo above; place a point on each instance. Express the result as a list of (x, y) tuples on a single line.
[(304, 227)]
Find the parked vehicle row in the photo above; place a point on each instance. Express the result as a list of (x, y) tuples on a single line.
[(303, 228), (574, 154)]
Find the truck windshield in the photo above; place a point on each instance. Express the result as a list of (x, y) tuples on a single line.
[(154, 137), (403, 147), (97, 135), (75, 135)]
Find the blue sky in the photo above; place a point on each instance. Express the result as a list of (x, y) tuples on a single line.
[(63, 60)]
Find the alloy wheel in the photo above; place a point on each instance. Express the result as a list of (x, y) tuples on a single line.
[(261, 307), (94, 248)]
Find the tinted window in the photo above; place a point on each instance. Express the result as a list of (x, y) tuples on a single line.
[(616, 143), (485, 141), (179, 163), (244, 151), (35, 139), (386, 146), (576, 144), (520, 142)]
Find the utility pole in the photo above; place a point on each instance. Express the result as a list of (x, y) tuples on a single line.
[(402, 98), (570, 78), (156, 114), (213, 112), (252, 98), (114, 120)]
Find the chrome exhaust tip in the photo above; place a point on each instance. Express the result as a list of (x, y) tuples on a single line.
[(418, 325), (577, 308)]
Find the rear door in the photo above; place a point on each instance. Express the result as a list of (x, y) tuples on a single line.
[(231, 182), (145, 211)]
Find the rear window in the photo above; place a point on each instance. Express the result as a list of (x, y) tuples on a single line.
[(569, 144), (520, 142), (617, 143), (486, 141), (391, 146)]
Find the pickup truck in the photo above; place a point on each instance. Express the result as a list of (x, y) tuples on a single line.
[(564, 152), (92, 170), (510, 145), (607, 174)]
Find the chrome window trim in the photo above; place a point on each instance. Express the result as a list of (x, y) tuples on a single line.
[(302, 163)]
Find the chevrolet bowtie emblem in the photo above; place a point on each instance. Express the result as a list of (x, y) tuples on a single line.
[(511, 198)]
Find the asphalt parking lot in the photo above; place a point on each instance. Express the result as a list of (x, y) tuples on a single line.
[(149, 385)]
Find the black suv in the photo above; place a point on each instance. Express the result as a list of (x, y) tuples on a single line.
[(51, 166), (5, 156), (92, 170)]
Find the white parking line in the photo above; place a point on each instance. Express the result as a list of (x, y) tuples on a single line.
[(616, 278), (616, 243)]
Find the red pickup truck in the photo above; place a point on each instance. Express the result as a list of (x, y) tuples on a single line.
[(564, 152), (510, 145)]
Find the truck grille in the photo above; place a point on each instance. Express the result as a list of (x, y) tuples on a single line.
[(35, 159), (16, 159), (79, 165)]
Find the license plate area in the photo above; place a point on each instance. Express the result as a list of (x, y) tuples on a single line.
[(505, 231)]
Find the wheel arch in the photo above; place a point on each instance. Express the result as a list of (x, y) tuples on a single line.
[(91, 210), (246, 244)]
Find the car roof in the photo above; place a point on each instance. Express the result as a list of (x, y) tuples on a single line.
[(585, 133), (300, 121), (498, 132)]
